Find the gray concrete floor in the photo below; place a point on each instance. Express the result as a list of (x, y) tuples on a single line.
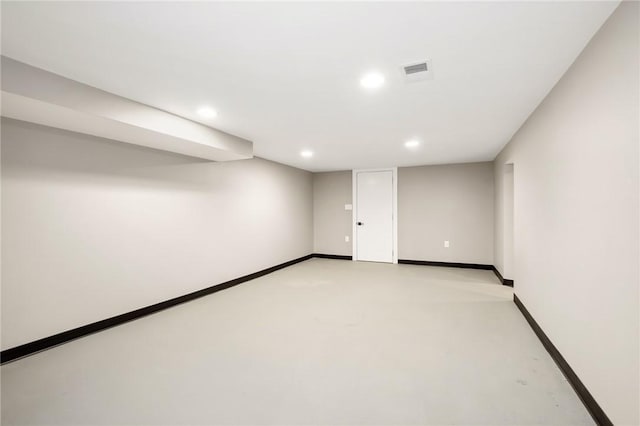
[(324, 342)]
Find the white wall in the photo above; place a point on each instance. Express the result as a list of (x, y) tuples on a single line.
[(435, 203), (576, 211), (503, 220), (331, 222), (93, 228), (448, 202)]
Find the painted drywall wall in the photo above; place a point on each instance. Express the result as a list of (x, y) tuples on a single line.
[(576, 210), (446, 203), (331, 222), (435, 203), (93, 228), (503, 220)]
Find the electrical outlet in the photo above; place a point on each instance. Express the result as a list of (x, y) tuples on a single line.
[(446, 244), (346, 238)]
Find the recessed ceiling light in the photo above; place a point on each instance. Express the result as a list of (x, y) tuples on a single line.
[(207, 112), (413, 143), (372, 80), (306, 153)]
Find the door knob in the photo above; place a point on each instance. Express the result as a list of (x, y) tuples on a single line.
[(359, 223)]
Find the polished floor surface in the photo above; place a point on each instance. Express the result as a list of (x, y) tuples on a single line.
[(324, 342)]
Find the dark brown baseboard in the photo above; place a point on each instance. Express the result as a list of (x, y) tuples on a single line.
[(589, 402), (504, 281), (332, 256), (31, 348), (446, 264), (35, 346)]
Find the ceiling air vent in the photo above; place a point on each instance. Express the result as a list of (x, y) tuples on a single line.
[(412, 69), (418, 71)]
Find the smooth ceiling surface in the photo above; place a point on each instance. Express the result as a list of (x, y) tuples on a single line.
[(286, 75)]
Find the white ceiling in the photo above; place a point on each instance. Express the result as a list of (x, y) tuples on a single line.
[(286, 75)]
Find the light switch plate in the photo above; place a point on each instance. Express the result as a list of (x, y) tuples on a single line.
[(348, 206)]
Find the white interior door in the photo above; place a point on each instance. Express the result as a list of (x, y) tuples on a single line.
[(374, 216)]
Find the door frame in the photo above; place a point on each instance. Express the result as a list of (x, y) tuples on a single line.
[(394, 209)]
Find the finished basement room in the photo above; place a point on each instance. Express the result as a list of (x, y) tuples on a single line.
[(320, 213)]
